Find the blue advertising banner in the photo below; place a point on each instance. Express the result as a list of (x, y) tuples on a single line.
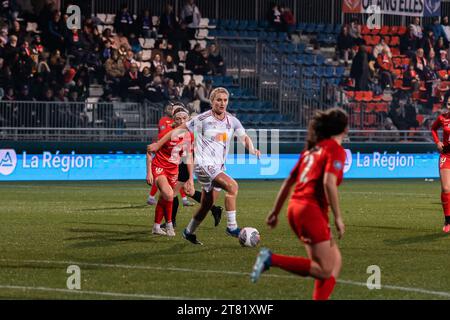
[(55, 166)]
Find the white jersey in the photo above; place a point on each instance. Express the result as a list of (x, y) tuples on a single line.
[(212, 137)]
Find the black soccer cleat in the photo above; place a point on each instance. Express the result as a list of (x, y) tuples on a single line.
[(191, 237), (174, 223), (217, 214)]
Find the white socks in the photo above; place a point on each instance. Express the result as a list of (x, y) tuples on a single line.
[(231, 220)]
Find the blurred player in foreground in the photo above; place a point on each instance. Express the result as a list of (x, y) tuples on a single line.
[(443, 121), (316, 177)]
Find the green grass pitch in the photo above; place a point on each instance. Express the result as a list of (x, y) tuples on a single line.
[(105, 229)]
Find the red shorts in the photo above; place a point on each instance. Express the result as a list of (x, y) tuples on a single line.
[(172, 178), (444, 161), (309, 222)]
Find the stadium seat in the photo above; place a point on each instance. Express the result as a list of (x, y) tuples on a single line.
[(204, 22), (109, 19), (146, 55)]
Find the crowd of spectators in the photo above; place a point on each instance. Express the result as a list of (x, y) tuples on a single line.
[(421, 80), (55, 63)]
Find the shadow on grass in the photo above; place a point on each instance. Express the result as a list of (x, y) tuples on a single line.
[(417, 239)]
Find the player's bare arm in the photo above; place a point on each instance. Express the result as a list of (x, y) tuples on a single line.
[(248, 143), (189, 185), (149, 177), (283, 194), (331, 192), (175, 132)]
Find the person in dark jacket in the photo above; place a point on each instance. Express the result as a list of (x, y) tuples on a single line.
[(360, 70), (344, 44)]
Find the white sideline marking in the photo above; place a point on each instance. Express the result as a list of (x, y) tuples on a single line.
[(97, 293), (135, 267)]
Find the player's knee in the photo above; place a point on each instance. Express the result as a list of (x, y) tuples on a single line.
[(446, 188), (167, 195), (326, 272), (233, 189)]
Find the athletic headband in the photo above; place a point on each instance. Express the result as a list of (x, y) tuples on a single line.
[(180, 109), (217, 90)]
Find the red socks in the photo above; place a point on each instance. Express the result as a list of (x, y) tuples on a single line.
[(323, 288), (297, 265), (154, 189), (163, 209), (445, 198), (302, 266)]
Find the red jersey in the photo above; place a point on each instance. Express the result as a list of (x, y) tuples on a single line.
[(164, 123), (169, 156), (326, 156), (443, 121)]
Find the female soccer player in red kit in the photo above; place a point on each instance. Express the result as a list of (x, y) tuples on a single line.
[(162, 170), (316, 177), (443, 121)]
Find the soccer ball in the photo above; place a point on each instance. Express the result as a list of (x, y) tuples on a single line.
[(249, 237)]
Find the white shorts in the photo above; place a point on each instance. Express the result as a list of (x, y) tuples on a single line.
[(206, 175)]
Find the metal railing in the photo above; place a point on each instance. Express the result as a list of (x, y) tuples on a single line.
[(78, 120)]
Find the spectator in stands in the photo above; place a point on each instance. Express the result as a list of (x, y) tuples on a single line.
[(420, 62), (171, 70), (417, 28), (427, 42), (408, 43), (189, 92), (389, 125), (36, 45), (120, 41), (441, 44), (360, 70), (61, 95), (179, 38), (55, 37), (11, 50), (216, 60), (114, 70), (17, 31), (193, 57), (129, 60), (204, 66), (380, 47), (124, 22), (171, 91), (48, 95), (168, 22), (107, 51), (135, 45), (344, 45), (146, 77), (107, 36), (411, 78), (156, 62), (155, 92), (436, 28), (442, 61), (432, 61), (190, 14), (57, 63), (144, 25), (274, 17), (43, 67), (25, 94), (23, 68), (76, 45), (287, 20), (9, 94), (355, 32), (446, 28), (386, 66), (131, 84), (203, 93)]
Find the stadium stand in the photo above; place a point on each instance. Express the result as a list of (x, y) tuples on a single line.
[(273, 71)]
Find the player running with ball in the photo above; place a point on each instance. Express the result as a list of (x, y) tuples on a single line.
[(213, 131), (316, 178)]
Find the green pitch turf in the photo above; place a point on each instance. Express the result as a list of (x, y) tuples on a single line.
[(105, 229)]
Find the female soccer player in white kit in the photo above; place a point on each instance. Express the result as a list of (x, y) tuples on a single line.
[(213, 131)]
